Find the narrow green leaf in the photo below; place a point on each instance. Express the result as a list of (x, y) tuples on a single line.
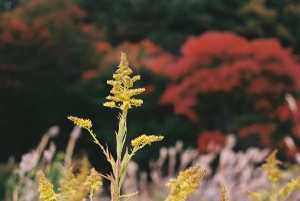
[(124, 165), (129, 195)]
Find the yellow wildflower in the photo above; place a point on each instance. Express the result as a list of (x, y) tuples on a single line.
[(82, 123), (185, 184), (271, 168), (121, 92), (293, 185), (84, 170), (70, 187), (254, 196), (93, 180), (46, 189), (144, 139), (224, 195)]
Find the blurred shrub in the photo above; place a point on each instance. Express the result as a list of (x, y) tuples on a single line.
[(5, 172), (276, 19), (45, 48), (174, 21), (165, 22), (225, 82)]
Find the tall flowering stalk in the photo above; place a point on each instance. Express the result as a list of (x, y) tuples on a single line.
[(121, 97), (185, 184)]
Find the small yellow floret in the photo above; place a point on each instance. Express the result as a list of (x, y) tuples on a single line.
[(145, 139), (110, 104), (82, 123), (46, 189), (186, 183), (271, 168), (293, 185), (93, 180)]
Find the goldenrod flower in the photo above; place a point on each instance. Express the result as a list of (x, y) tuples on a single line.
[(121, 92), (144, 139), (93, 180), (82, 123), (84, 170), (271, 168), (70, 187), (254, 196), (185, 184), (293, 185), (46, 189), (224, 195)]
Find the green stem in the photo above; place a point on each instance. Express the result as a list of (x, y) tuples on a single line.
[(121, 135), (116, 196), (91, 195), (120, 140), (97, 141)]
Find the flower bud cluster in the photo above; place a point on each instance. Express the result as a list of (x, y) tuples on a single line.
[(122, 91)]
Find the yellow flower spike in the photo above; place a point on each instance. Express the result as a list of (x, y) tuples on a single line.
[(144, 139), (70, 187), (185, 184), (224, 195), (93, 180), (122, 92), (84, 170), (46, 189), (82, 123), (293, 185), (271, 168)]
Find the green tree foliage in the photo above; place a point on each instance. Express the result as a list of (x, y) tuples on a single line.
[(45, 47), (267, 18), (165, 22), (170, 22)]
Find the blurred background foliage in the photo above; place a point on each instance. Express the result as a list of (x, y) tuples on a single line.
[(208, 67)]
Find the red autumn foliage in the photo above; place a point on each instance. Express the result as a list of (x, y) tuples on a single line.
[(15, 28), (90, 74), (149, 89), (102, 47), (284, 112), (48, 39), (77, 11), (211, 141), (265, 131), (217, 62), (143, 54), (224, 62), (263, 105)]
